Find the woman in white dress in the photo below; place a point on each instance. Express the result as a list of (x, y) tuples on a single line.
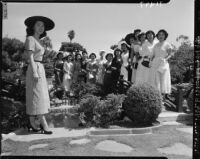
[(160, 72), (37, 95), (139, 72), (135, 46), (68, 72), (143, 70), (100, 62), (125, 60)]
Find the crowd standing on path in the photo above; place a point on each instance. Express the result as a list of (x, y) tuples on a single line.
[(142, 57)]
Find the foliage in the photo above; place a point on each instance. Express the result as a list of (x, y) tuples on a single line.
[(46, 42), (108, 110), (98, 112), (81, 88), (71, 47), (87, 106), (12, 47), (142, 104), (71, 35), (181, 61), (13, 105)]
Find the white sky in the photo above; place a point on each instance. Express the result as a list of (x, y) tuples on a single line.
[(98, 26)]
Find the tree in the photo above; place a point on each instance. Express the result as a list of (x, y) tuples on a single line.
[(182, 60), (12, 46), (71, 47), (46, 41), (71, 35)]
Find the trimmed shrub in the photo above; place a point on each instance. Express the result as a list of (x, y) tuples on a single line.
[(142, 104), (86, 108), (108, 110), (96, 112)]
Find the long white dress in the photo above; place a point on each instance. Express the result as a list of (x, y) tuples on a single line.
[(67, 78), (142, 73), (37, 95), (160, 72), (124, 71), (136, 48)]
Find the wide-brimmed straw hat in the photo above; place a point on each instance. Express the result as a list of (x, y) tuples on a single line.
[(48, 23)]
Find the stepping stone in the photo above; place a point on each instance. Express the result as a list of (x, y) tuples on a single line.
[(80, 141), (177, 149), (113, 146), (38, 146), (187, 130)]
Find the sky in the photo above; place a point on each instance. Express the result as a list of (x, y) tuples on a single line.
[(98, 26)]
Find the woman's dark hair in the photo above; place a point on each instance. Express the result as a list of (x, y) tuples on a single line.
[(59, 53), (92, 54), (76, 56), (140, 35), (164, 31), (116, 51), (84, 52), (150, 32), (109, 54), (30, 32)]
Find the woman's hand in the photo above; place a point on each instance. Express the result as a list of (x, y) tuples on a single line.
[(36, 77)]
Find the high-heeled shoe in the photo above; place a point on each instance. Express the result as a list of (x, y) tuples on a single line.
[(30, 127), (45, 131)]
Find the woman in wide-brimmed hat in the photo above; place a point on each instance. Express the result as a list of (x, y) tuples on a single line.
[(37, 96), (160, 72)]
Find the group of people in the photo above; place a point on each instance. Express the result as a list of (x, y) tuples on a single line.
[(139, 59)]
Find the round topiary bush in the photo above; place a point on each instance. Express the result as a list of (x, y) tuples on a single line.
[(142, 104)]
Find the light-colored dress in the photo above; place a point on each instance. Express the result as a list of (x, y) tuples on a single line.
[(124, 71), (136, 48), (100, 73), (142, 74), (160, 72), (37, 95), (67, 78), (92, 71)]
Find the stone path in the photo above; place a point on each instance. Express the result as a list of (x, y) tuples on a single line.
[(80, 141), (37, 146), (177, 149), (186, 130), (113, 146)]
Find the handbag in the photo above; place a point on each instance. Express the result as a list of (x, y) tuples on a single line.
[(145, 63)]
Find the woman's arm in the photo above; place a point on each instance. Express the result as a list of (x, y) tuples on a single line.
[(33, 64)]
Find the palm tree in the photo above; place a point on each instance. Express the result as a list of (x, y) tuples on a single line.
[(71, 35)]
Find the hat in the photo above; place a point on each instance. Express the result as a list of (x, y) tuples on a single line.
[(122, 42), (92, 54), (48, 23), (108, 55), (128, 36)]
